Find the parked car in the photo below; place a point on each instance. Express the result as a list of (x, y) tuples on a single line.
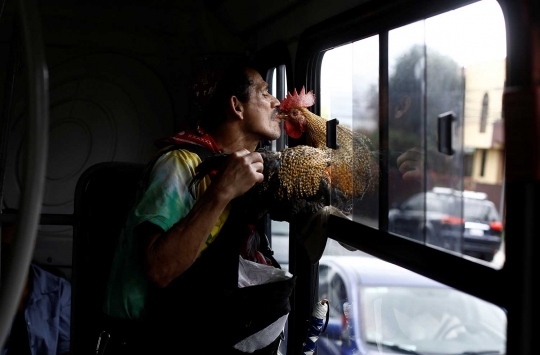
[(465, 222), (380, 308)]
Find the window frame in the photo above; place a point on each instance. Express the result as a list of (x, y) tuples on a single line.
[(484, 113), (377, 19)]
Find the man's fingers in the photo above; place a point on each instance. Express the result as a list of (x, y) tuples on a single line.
[(411, 154), (255, 157), (248, 164), (259, 178), (241, 152), (407, 166), (258, 167)]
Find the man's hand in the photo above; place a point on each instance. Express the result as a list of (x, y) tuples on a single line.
[(411, 164), (168, 254), (240, 172)]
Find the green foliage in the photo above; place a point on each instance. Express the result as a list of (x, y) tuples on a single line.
[(432, 90)]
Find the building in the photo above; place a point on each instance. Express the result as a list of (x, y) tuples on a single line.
[(483, 129)]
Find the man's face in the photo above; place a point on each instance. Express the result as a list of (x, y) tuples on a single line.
[(261, 111)]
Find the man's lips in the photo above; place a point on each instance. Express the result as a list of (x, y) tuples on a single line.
[(282, 116), (278, 116)]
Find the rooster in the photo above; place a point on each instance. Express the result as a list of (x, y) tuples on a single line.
[(306, 183), (296, 188), (296, 185), (352, 162), (301, 181)]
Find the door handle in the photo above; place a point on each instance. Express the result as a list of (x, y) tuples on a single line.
[(444, 128)]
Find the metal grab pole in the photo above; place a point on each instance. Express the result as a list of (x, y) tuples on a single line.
[(35, 167)]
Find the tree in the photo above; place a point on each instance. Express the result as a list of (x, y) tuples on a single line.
[(428, 92)]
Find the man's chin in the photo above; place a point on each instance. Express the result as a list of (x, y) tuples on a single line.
[(276, 136)]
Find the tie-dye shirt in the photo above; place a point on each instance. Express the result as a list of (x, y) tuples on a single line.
[(165, 202)]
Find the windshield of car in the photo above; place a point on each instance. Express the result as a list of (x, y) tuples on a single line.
[(479, 210), (431, 320), (473, 210), (430, 202)]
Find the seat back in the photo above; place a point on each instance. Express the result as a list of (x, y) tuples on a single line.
[(103, 196)]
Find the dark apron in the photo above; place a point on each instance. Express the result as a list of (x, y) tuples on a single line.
[(205, 309)]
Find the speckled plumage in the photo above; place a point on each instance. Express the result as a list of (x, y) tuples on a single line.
[(296, 183), (351, 163), (300, 181)]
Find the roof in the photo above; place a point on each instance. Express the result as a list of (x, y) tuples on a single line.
[(370, 271)]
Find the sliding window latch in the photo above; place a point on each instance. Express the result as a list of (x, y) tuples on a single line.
[(445, 132), (331, 133)]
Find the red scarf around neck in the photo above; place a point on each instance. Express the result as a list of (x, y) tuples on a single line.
[(199, 137), (248, 250)]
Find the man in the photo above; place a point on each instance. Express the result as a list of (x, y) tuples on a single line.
[(182, 245), (42, 322)]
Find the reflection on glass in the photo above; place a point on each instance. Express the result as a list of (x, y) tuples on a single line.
[(277, 78), (431, 319), (406, 130), (446, 78), (279, 229), (349, 93), (378, 307), (271, 79), (273, 87)]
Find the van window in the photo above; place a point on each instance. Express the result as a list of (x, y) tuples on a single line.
[(440, 70), (277, 80), (349, 93)]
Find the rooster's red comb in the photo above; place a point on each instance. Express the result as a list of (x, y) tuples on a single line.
[(297, 100)]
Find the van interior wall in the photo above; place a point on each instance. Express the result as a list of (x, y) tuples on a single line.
[(288, 22), (119, 79)]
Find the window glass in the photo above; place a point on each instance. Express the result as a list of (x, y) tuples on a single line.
[(446, 76), (349, 93), (415, 203), (271, 79), (445, 130), (445, 185), (279, 238), (277, 78), (406, 130)]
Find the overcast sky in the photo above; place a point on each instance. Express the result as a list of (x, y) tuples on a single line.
[(472, 34)]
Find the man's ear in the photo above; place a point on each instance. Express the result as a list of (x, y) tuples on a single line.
[(403, 106), (236, 107)]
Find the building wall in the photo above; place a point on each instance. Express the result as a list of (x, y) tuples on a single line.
[(482, 78), (493, 167)]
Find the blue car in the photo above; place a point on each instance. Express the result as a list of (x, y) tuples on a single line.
[(380, 308)]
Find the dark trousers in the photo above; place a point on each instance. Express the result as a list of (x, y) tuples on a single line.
[(207, 342)]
